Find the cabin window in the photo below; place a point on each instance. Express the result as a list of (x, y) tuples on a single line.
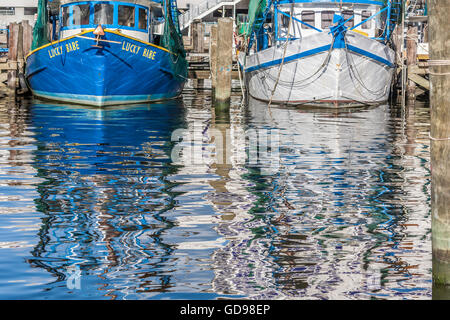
[(81, 14), (347, 15), (285, 21), (29, 11), (327, 19), (308, 17), (142, 19), (65, 16), (366, 15), (103, 13), (126, 16), (7, 11)]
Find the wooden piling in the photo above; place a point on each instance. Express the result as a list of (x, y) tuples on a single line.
[(213, 57), (439, 16), (224, 60), (411, 61), (20, 55), (12, 56), (19, 45), (397, 38), (198, 36), (194, 35), (27, 37)]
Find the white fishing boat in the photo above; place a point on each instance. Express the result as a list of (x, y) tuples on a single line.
[(326, 52)]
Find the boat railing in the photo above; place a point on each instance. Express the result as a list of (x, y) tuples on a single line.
[(201, 9)]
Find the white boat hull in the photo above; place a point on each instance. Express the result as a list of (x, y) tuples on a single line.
[(311, 72)]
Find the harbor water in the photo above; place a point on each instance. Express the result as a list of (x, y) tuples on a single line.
[(179, 200)]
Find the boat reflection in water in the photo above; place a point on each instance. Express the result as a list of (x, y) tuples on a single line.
[(334, 217), (347, 220), (104, 195)]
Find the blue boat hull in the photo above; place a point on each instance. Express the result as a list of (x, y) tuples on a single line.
[(122, 70)]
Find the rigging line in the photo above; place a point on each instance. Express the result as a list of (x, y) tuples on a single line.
[(298, 84), (355, 72), (284, 55), (437, 139), (353, 75)]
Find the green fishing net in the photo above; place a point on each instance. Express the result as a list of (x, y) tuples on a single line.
[(255, 10), (40, 28), (173, 41)]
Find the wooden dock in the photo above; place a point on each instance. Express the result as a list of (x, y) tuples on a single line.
[(12, 63), (413, 74), (201, 53)]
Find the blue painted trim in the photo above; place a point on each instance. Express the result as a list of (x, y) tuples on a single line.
[(276, 21), (370, 2), (290, 58), (371, 55), (102, 100), (115, 24), (319, 50), (298, 20), (371, 17)]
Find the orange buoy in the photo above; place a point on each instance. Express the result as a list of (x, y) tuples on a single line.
[(99, 31)]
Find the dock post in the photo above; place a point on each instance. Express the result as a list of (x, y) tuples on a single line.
[(411, 60), (20, 52), (12, 57), (27, 37), (213, 58), (439, 17), (398, 46), (224, 61), (198, 36), (194, 35)]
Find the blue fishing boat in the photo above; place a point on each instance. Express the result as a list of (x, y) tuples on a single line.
[(107, 52)]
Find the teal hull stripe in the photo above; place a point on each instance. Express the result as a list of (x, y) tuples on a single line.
[(102, 100), (316, 51)]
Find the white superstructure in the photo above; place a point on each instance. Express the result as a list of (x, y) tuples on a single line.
[(16, 11)]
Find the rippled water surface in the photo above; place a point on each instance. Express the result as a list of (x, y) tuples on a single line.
[(181, 201)]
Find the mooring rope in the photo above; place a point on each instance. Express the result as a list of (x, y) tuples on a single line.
[(439, 63), (437, 139)]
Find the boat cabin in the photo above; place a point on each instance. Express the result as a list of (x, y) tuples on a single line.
[(141, 19), (310, 17)]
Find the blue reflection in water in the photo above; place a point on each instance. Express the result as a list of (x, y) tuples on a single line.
[(103, 193), (346, 214), (341, 203)]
